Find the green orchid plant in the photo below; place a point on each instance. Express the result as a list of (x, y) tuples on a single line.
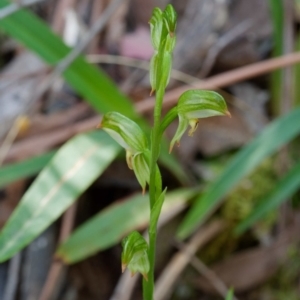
[(142, 153)]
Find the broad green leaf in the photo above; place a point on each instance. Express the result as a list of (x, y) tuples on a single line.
[(283, 189), (29, 167), (271, 138), (113, 223), (75, 166)]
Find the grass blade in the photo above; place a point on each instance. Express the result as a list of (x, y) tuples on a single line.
[(284, 189), (84, 78), (75, 166), (229, 295), (32, 166), (271, 138), (110, 225), (277, 16)]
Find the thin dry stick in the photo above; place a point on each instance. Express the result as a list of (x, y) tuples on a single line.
[(180, 260), (175, 74), (137, 63), (288, 47), (65, 62), (224, 41), (95, 29), (59, 16), (97, 9), (225, 79), (9, 139), (219, 285), (57, 267), (13, 277), (147, 105), (14, 7), (27, 148)]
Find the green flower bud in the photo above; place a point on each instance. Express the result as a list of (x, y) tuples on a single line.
[(135, 254), (162, 25), (160, 70), (193, 105)]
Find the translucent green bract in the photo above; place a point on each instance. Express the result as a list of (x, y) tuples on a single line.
[(196, 104), (124, 131), (141, 169), (131, 137), (135, 254)]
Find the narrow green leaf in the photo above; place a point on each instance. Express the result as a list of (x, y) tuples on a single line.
[(155, 212), (229, 295), (271, 138), (277, 17), (29, 167), (284, 189), (110, 225), (84, 78), (75, 166)]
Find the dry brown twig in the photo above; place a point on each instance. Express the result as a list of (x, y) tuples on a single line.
[(13, 278), (59, 15), (181, 259), (210, 275), (14, 7), (125, 287), (25, 149), (225, 79), (222, 42), (57, 267), (65, 62)]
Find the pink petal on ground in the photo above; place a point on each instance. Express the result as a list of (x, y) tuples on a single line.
[(137, 44)]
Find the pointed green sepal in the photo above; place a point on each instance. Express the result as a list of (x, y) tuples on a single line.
[(125, 131), (156, 25), (195, 104), (135, 254), (155, 211), (170, 19)]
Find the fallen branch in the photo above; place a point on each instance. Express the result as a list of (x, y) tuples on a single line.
[(225, 79)]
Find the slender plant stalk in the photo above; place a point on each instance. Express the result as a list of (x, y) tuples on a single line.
[(154, 190)]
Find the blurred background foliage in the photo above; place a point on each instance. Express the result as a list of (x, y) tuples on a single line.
[(231, 217)]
